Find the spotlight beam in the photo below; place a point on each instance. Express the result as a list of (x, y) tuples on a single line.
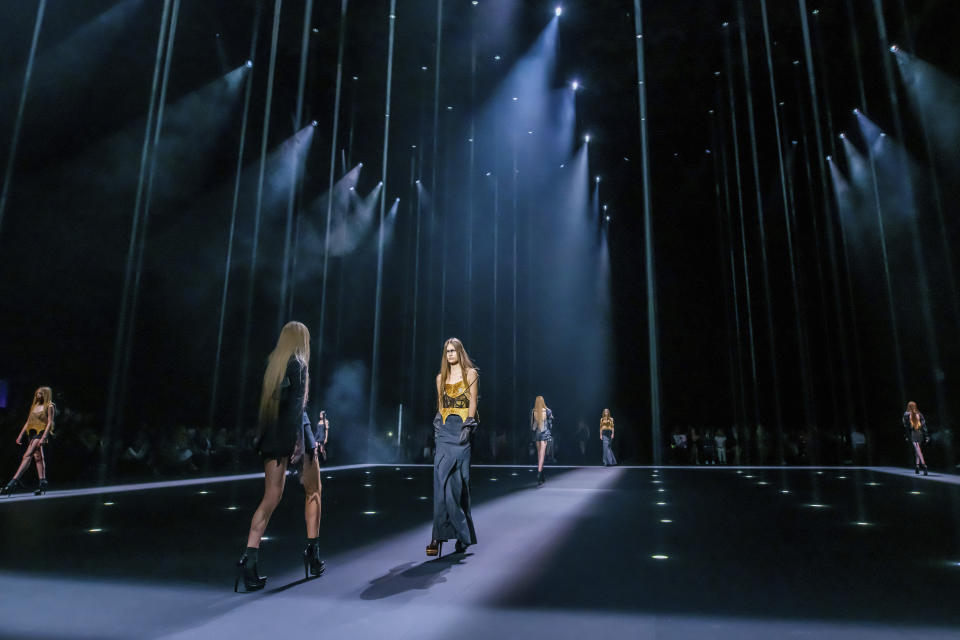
[(18, 122), (652, 337)]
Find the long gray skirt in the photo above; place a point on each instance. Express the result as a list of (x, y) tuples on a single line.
[(608, 458), (451, 485)]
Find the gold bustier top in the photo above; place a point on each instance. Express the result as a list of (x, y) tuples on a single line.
[(455, 400), (37, 421), (606, 424)]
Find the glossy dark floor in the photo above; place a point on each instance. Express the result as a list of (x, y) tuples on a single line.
[(619, 552)]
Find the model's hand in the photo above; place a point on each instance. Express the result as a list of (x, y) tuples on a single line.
[(20, 439)]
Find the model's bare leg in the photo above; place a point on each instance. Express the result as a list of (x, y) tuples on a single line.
[(274, 476), (312, 487), (541, 452), (38, 460), (919, 453), (27, 457)]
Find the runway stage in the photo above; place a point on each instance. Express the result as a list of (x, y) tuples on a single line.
[(747, 556)]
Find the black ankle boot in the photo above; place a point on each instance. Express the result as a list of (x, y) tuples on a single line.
[(12, 487), (917, 469), (311, 559), (540, 479), (247, 571), (41, 488), (924, 469)]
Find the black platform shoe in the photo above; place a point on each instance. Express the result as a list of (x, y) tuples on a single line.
[(460, 547), (247, 571), (12, 487), (540, 479), (924, 469), (312, 562), (917, 470), (41, 488), (435, 548)]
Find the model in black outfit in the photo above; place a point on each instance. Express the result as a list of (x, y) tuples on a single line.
[(284, 441), (915, 432)]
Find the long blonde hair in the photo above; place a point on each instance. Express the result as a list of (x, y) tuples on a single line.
[(539, 412), (47, 394), (294, 341), (914, 415), (464, 360)]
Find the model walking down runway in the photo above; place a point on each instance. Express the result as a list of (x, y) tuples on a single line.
[(606, 436), (541, 426), (915, 432), (38, 428), (453, 426), (284, 441)]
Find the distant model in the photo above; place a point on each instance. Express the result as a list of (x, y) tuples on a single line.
[(453, 426), (38, 428), (915, 432), (606, 436), (541, 427), (283, 442)]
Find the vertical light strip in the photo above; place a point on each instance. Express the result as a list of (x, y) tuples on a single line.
[(375, 362), (648, 245), (271, 69), (321, 337), (113, 394), (761, 228), (234, 208), (18, 122), (285, 306)]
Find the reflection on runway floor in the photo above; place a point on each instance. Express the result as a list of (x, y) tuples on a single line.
[(639, 551)]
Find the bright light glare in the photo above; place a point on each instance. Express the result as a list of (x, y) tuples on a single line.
[(659, 557), (94, 530), (369, 513), (558, 11), (586, 138), (574, 85)]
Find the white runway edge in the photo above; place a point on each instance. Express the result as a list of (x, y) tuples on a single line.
[(165, 484)]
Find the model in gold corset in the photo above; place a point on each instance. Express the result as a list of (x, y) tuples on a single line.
[(454, 424), (38, 428), (606, 437)]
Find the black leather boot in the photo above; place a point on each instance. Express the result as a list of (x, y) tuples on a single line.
[(247, 571), (41, 488), (917, 469), (311, 560), (12, 487), (924, 469)]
